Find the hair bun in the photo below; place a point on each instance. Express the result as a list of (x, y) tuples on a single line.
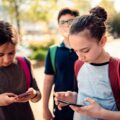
[(99, 12)]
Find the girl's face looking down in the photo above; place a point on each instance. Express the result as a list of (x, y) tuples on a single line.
[(87, 48), (7, 54)]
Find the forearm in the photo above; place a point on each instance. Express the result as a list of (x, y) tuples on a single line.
[(110, 115), (47, 87)]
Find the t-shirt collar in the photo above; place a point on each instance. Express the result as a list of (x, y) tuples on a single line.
[(62, 44)]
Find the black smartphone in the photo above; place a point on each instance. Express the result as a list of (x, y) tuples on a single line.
[(69, 103)]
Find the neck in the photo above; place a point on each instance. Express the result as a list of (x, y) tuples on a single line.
[(104, 57), (66, 42)]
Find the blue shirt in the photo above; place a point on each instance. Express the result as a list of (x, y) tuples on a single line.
[(93, 82)]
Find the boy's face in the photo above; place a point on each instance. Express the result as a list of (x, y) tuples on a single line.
[(86, 47), (64, 24), (7, 54)]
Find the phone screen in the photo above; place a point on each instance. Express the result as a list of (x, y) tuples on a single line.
[(69, 103)]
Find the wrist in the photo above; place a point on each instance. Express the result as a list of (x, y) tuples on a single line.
[(36, 97), (102, 114), (45, 107)]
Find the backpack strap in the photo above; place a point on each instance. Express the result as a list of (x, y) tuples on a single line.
[(53, 50), (114, 75), (26, 70), (78, 64)]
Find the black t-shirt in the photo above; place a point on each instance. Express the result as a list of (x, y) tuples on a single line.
[(64, 65)]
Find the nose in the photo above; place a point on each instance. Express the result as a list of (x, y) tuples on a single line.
[(6, 59), (66, 25), (81, 56)]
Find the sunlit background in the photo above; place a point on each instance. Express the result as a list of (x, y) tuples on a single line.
[(36, 21)]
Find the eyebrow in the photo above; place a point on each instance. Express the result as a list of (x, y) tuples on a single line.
[(66, 20), (8, 52), (84, 49)]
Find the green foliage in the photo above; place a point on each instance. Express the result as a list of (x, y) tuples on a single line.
[(40, 49), (41, 44), (38, 55), (115, 25)]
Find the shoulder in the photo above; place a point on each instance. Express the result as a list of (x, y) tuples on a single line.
[(78, 64), (23, 61), (114, 60)]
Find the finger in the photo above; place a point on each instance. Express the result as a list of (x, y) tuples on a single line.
[(56, 101), (22, 100), (59, 106), (76, 109), (12, 100), (59, 95), (90, 100), (68, 93), (11, 94), (30, 90)]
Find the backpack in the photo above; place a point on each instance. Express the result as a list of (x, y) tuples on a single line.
[(114, 75), (53, 50), (26, 69)]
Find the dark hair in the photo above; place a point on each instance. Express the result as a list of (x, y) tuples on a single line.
[(99, 12), (65, 11), (7, 33), (93, 22)]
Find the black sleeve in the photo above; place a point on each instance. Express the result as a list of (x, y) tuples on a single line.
[(48, 65), (75, 85)]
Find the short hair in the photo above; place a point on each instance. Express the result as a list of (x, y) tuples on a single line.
[(8, 33), (65, 11)]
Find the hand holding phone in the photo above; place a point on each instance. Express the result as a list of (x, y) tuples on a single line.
[(24, 95), (69, 103)]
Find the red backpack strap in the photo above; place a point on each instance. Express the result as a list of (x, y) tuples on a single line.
[(78, 64), (114, 75), (26, 69)]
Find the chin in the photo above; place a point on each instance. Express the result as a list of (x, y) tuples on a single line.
[(88, 61), (65, 34), (5, 65)]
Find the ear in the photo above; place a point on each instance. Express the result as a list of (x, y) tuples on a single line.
[(103, 41)]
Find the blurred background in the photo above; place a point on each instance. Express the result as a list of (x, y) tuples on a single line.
[(36, 21)]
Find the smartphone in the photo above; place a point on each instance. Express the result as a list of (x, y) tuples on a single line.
[(69, 103), (23, 95)]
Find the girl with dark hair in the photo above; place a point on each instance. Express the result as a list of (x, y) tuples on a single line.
[(14, 106), (95, 90)]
